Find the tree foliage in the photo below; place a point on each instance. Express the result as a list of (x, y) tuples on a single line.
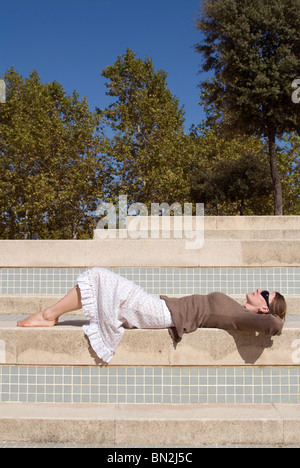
[(230, 174), (50, 173), (58, 159), (238, 186), (289, 168), (149, 150), (254, 50)]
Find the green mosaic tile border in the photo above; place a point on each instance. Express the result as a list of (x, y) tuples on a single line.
[(182, 281), (146, 385)]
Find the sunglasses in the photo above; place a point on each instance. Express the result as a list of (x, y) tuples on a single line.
[(265, 295)]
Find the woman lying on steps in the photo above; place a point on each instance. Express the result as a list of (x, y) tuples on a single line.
[(112, 303)]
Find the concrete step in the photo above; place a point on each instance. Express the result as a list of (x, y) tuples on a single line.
[(262, 234), (252, 222), (218, 228), (151, 425), (215, 223), (66, 344), (17, 304), (110, 253), (208, 234)]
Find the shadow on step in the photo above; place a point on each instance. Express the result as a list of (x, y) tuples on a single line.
[(251, 346)]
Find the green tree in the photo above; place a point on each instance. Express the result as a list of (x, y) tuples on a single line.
[(50, 171), (149, 149), (289, 166), (229, 174), (239, 186), (254, 49)]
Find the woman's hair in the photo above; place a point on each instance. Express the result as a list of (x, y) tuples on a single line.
[(278, 306)]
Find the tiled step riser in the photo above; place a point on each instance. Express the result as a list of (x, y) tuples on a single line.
[(157, 280), (148, 385), (58, 365)]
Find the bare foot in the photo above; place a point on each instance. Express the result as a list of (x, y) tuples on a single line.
[(37, 320)]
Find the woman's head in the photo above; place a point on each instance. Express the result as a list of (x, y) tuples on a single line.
[(267, 302)]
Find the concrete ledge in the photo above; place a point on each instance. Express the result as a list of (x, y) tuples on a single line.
[(148, 252), (252, 222), (27, 304), (66, 344), (228, 241), (262, 234), (216, 223), (218, 234), (153, 425), (211, 227)]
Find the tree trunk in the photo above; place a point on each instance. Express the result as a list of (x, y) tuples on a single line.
[(274, 173)]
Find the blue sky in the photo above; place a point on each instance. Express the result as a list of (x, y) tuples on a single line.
[(71, 41)]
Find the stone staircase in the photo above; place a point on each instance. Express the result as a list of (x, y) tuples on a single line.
[(217, 387)]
